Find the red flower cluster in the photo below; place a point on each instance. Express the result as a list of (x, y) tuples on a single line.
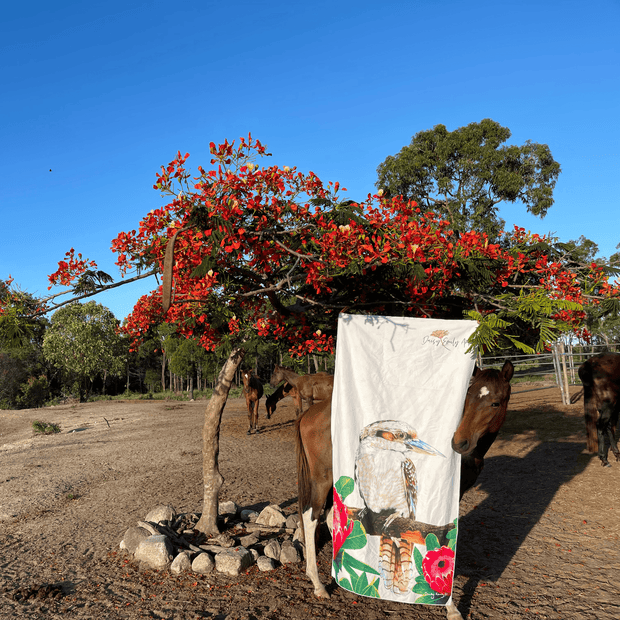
[(438, 569), (265, 244), (343, 526)]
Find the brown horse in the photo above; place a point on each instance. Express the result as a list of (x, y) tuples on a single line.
[(286, 389), (484, 413), (600, 376), (253, 390), (309, 387)]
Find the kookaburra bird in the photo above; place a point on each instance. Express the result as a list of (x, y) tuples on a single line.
[(386, 479)]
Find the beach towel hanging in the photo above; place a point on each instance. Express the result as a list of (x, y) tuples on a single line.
[(399, 390)]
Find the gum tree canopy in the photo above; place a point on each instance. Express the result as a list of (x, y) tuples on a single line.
[(464, 174), (253, 252)]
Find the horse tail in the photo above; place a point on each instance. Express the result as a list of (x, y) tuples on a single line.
[(575, 397), (586, 372), (303, 473), (591, 415)]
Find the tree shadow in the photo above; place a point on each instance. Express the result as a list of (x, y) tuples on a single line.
[(519, 491)]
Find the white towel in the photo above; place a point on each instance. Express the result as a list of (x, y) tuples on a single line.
[(399, 390)]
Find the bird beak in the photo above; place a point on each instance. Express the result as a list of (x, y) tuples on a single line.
[(417, 445)]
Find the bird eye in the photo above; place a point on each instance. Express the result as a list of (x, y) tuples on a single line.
[(387, 435)]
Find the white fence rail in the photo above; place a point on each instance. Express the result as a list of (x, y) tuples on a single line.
[(559, 365)]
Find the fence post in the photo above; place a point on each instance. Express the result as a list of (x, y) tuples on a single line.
[(565, 392), (558, 372)]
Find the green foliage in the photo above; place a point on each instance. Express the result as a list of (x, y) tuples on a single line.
[(464, 174), (83, 342), (35, 392), (45, 428)]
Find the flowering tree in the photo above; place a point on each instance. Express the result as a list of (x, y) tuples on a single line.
[(251, 252)]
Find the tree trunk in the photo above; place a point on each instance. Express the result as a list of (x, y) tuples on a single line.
[(211, 444), (163, 371)]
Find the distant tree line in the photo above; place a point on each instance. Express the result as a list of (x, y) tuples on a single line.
[(80, 353)]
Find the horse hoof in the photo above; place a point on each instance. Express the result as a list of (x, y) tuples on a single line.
[(249, 431), (321, 593), (257, 431)]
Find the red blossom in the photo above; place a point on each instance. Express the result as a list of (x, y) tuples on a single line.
[(343, 526), (438, 569)]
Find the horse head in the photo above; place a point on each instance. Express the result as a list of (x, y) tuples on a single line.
[(485, 407)]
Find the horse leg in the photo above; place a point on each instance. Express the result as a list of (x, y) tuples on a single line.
[(249, 404), (255, 420), (603, 428), (315, 479), (452, 611)]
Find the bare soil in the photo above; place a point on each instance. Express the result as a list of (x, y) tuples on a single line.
[(539, 535)]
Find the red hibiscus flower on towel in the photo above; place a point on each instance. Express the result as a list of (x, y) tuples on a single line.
[(343, 526), (438, 569)]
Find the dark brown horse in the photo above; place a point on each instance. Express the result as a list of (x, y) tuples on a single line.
[(600, 376), (286, 389), (309, 387), (484, 413), (253, 390)]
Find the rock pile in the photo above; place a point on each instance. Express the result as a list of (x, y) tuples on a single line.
[(167, 540)]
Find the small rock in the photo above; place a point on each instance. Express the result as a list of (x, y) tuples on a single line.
[(133, 537), (248, 516), (265, 564), (181, 564), (161, 513), (299, 536), (233, 561), (292, 522), (203, 564), (155, 551), (222, 540), (271, 516), (249, 540), (272, 550), (255, 554), (289, 553), (227, 508)]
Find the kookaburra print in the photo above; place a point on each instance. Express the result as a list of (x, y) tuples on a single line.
[(385, 475)]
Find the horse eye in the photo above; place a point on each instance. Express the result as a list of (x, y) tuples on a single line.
[(494, 404)]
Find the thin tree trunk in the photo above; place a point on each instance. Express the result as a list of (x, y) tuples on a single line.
[(211, 443), (163, 371)]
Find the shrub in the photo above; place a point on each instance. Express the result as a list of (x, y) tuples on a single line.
[(45, 428)]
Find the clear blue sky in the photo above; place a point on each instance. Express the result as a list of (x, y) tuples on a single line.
[(103, 93)]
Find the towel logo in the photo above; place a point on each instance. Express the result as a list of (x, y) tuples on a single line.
[(439, 338)]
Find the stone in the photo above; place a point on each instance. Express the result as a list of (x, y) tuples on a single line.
[(133, 537), (298, 536), (181, 563), (272, 550), (248, 516), (249, 540), (265, 564), (161, 513), (289, 553), (227, 508), (233, 561), (203, 564), (255, 555), (155, 552), (271, 516), (292, 522)]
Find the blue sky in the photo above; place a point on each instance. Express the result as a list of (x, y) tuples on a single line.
[(103, 93)]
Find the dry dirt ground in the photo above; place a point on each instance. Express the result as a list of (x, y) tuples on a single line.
[(539, 535)]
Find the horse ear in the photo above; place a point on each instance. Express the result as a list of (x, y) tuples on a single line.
[(508, 370)]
